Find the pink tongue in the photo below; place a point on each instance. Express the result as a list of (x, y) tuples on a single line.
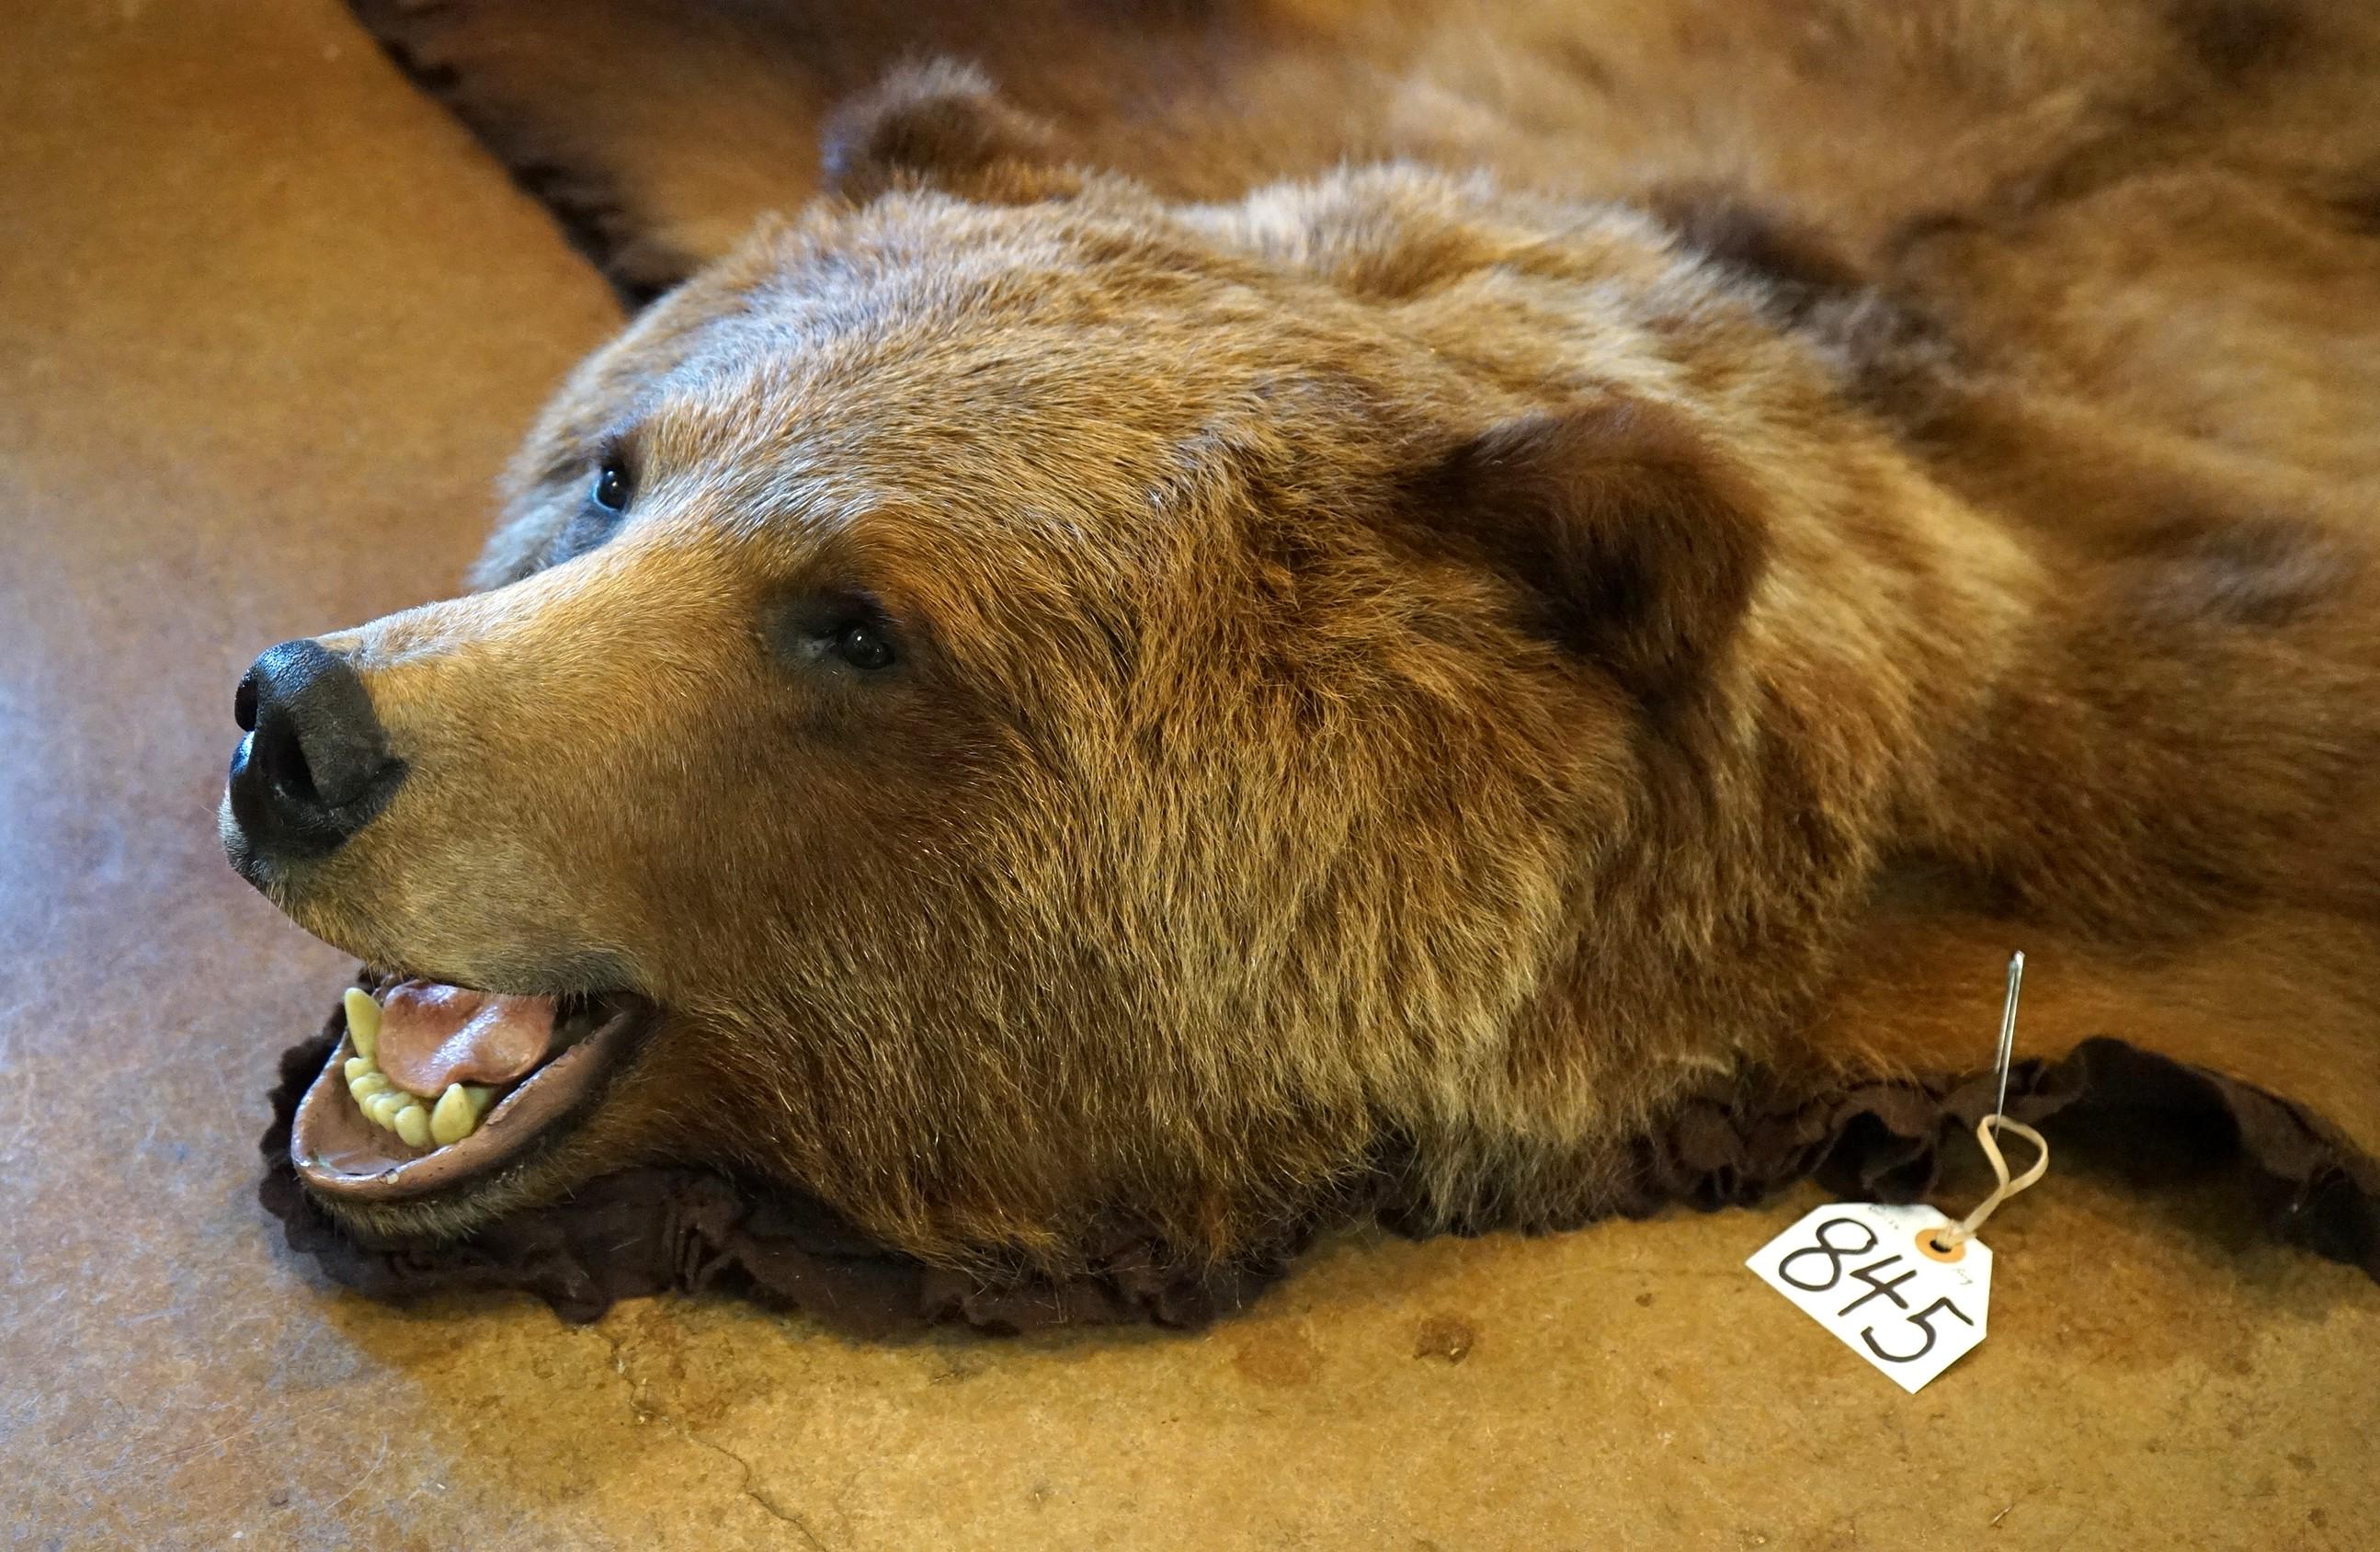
[(433, 1035)]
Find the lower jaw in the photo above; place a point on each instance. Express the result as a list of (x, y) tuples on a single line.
[(374, 1182)]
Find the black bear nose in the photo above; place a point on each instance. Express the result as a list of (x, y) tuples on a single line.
[(315, 766)]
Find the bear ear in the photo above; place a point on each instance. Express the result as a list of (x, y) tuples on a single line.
[(940, 126), (1637, 541)]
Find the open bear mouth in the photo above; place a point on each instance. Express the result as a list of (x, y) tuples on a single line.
[(432, 1085)]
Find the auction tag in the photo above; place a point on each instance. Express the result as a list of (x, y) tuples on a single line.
[(1875, 1277)]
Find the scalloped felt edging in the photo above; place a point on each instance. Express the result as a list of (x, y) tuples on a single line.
[(648, 1230)]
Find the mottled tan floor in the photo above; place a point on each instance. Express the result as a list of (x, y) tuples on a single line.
[(268, 323)]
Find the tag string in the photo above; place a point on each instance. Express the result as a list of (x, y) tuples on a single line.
[(1965, 1228)]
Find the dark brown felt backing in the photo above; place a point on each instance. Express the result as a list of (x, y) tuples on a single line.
[(643, 1231)]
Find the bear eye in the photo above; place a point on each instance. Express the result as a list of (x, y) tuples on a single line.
[(609, 491), (833, 629), (863, 646)]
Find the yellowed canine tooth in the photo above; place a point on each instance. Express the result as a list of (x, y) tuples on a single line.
[(363, 1023), (480, 1097), (413, 1124), (454, 1117), (382, 1107), (366, 1084)]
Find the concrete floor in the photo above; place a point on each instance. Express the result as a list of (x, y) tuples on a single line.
[(268, 324)]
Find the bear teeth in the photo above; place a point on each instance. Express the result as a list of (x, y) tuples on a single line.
[(455, 1114), (363, 1023), (454, 1117)]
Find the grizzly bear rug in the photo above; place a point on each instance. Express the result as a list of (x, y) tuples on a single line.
[(1179, 624)]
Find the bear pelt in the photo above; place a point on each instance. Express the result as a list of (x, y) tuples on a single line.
[(1397, 674)]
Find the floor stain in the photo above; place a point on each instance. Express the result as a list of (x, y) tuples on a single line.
[(1444, 1336), (1278, 1357)]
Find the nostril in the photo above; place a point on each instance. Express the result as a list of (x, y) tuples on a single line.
[(279, 755), (243, 702)]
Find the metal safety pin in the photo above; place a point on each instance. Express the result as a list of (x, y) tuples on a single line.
[(2008, 1033)]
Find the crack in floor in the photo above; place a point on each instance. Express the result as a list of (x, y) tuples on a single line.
[(644, 1412), (768, 1504)]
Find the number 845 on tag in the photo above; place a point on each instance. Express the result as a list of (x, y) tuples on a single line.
[(1877, 1278)]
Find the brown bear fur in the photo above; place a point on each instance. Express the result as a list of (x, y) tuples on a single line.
[(1402, 675)]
